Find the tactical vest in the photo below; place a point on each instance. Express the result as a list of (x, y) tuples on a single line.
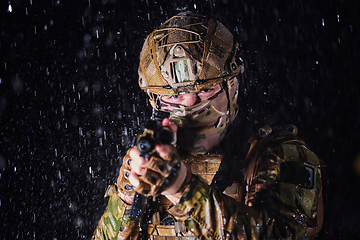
[(277, 154), (163, 227)]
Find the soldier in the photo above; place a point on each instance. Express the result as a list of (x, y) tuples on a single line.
[(190, 67)]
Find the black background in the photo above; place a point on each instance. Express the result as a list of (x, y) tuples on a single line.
[(70, 104)]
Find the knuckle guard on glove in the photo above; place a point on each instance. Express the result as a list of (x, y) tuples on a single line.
[(123, 183), (163, 176)]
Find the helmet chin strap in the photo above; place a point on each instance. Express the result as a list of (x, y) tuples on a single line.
[(157, 102), (154, 100)]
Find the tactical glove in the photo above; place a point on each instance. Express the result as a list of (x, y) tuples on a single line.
[(163, 175), (123, 183)]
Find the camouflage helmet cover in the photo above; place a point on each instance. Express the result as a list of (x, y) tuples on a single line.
[(186, 54)]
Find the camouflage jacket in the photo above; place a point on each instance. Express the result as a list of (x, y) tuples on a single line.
[(280, 198)]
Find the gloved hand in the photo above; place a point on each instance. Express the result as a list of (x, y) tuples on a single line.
[(162, 174), (125, 189)]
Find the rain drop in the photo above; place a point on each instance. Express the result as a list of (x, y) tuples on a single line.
[(87, 38), (2, 163), (97, 110), (17, 84)]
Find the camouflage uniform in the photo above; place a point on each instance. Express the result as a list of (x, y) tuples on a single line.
[(280, 196), (279, 199)]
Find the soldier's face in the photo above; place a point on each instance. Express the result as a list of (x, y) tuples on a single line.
[(190, 99)]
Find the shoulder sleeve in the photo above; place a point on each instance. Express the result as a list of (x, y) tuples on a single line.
[(283, 178), (115, 220)]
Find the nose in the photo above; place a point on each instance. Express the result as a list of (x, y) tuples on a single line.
[(190, 99)]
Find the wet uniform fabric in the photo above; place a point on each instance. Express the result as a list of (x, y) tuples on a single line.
[(280, 198)]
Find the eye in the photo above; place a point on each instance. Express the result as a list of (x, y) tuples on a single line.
[(207, 90), (171, 98)]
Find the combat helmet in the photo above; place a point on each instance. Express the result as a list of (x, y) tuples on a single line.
[(187, 53)]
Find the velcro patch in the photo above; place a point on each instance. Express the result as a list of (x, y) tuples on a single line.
[(297, 173)]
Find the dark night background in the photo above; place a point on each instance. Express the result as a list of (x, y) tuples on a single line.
[(69, 100)]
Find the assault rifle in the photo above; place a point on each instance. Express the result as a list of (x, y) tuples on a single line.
[(154, 133)]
